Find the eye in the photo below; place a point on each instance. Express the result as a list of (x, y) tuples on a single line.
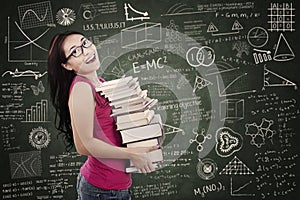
[(76, 52), (86, 43)]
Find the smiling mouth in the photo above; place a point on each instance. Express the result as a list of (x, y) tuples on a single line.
[(91, 59)]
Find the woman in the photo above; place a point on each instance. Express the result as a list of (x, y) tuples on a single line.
[(83, 116)]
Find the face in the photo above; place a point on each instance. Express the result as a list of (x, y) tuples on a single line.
[(86, 63)]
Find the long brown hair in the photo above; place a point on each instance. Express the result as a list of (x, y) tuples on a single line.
[(60, 80)]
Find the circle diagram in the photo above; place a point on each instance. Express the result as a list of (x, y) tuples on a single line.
[(39, 138), (204, 56), (206, 169), (65, 16), (257, 37)]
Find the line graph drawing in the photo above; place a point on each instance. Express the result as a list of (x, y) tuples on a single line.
[(24, 50), (30, 40), (236, 192), (232, 82), (35, 15), (27, 50), (17, 74), (142, 15), (25, 164), (225, 92)]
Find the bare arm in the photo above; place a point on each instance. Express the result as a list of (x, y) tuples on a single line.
[(82, 107)]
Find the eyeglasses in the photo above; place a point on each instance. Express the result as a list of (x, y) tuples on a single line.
[(79, 49)]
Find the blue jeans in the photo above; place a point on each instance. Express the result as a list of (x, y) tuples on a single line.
[(87, 191)]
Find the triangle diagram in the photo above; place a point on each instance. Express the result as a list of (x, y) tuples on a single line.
[(200, 83), (168, 129), (236, 167), (271, 79), (212, 28), (283, 51), (237, 26)]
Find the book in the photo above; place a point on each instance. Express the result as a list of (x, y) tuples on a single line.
[(141, 133), (134, 108), (135, 123), (120, 90), (138, 125), (122, 103), (116, 84), (134, 116), (154, 156), (126, 94), (134, 169), (144, 143), (156, 120), (119, 81)]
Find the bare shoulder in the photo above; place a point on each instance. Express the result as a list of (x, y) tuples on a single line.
[(81, 88), (81, 96)]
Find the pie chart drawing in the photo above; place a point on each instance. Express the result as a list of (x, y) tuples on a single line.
[(257, 37)]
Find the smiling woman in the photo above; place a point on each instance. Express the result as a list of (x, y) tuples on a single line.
[(83, 116)]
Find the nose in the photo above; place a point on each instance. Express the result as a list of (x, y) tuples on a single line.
[(86, 51)]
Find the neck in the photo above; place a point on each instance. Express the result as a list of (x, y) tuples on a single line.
[(93, 77)]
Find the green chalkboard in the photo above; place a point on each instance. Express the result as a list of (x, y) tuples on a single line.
[(225, 75)]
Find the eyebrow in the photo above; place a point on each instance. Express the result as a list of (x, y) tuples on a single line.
[(75, 45)]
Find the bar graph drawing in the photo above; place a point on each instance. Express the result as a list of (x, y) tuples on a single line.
[(37, 112)]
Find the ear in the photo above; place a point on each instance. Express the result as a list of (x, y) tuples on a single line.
[(66, 66)]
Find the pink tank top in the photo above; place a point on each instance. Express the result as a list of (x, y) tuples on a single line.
[(107, 174)]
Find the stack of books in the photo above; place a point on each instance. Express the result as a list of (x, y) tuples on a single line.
[(138, 124)]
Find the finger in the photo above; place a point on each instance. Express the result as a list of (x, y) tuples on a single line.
[(144, 171), (154, 148), (151, 167), (148, 168)]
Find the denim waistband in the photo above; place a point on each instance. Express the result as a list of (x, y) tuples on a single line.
[(81, 178)]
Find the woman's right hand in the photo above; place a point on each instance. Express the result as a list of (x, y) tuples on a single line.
[(140, 158)]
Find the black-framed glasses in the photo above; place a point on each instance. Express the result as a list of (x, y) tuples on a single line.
[(79, 49)]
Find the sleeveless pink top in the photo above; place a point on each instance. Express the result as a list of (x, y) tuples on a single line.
[(107, 174)]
